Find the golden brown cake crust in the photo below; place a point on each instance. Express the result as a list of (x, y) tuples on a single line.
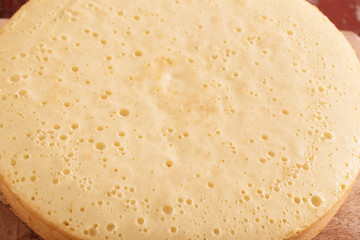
[(316, 227), (36, 221), (48, 231)]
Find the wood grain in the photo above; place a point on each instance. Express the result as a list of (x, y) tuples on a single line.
[(346, 223), (344, 226), (2, 21), (11, 228)]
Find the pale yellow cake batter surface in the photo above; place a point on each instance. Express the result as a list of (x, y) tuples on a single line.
[(219, 119)]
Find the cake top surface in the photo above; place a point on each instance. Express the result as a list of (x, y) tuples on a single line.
[(228, 119)]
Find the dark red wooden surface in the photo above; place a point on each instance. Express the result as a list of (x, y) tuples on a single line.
[(344, 13), (9, 7)]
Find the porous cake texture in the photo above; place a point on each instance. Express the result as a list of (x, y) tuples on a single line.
[(177, 119)]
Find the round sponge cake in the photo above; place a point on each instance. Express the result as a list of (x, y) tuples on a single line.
[(182, 119)]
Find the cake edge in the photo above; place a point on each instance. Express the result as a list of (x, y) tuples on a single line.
[(48, 230), (316, 227), (37, 222)]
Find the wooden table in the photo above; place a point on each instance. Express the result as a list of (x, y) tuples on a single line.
[(344, 226)]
